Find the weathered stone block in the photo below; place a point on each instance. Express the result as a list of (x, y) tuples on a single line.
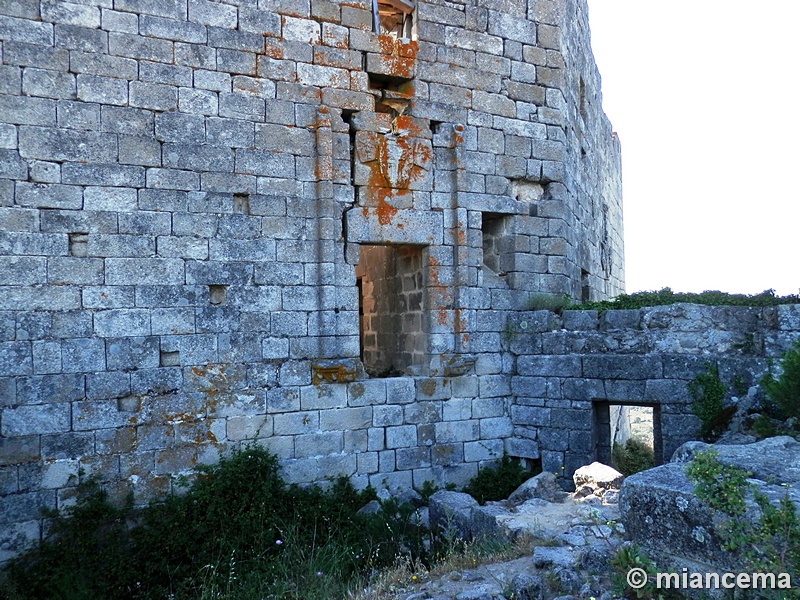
[(42, 389), (366, 393), (80, 355), (35, 419), (105, 385), (456, 409), (531, 415), (387, 415), (248, 427), (497, 427), (483, 450), (521, 447), (400, 390), (404, 436), (622, 367), (551, 366), (346, 419), (144, 271), (412, 458), (122, 322), (457, 431), (318, 444)]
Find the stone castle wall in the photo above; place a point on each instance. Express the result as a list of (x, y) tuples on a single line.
[(197, 200)]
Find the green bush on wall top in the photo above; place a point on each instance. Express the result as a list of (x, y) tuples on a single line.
[(666, 296)]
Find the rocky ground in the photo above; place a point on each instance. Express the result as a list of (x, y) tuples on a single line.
[(568, 540)]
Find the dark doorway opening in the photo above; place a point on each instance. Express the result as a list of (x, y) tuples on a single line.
[(615, 422)]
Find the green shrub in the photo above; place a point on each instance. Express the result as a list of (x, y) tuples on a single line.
[(764, 426), (237, 532), (708, 393), (783, 393), (85, 555), (497, 483), (631, 457), (428, 489)]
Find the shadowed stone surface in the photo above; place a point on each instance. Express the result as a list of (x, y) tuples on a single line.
[(662, 514)]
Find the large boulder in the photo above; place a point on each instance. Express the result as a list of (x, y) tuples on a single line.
[(451, 513), (596, 480), (544, 486), (662, 514), (772, 459)]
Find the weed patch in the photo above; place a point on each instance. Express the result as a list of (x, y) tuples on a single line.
[(770, 541)]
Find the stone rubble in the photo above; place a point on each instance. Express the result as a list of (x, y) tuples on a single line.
[(573, 542)]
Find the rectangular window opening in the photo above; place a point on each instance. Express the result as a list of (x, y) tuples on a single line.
[(390, 281)]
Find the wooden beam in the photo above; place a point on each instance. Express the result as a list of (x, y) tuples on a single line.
[(405, 6)]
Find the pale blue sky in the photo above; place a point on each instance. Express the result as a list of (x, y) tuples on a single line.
[(704, 96)]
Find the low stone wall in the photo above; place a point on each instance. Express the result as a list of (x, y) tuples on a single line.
[(567, 364)]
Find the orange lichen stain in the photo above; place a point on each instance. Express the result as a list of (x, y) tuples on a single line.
[(433, 271), (458, 323), (439, 294), (378, 198), (273, 51), (399, 57), (407, 125), (427, 387), (389, 177), (461, 235), (329, 38), (458, 136), (333, 374), (396, 47), (384, 210), (323, 169), (251, 88)]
